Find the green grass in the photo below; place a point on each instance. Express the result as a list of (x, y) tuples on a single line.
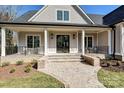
[(37, 80), (111, 79)]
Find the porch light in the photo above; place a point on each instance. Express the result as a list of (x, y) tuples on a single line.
[(74, 36), (51, 35)]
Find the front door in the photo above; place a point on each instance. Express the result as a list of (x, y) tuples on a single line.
[(62, 43)]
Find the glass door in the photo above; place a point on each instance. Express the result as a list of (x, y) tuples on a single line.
[(62, 43)]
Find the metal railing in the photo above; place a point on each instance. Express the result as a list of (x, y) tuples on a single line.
[(97, 49), (23, 50)]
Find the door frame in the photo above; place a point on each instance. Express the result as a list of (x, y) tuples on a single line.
[(62, 34)]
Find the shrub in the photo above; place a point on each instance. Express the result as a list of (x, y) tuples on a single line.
[(27, 69), (12, 70), (118, 63), (34, 63), (108, 64), (5, 64), (19, 62)]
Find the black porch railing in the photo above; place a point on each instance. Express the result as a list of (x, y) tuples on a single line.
[(23, 50), (97, 49)]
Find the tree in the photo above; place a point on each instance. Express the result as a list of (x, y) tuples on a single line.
[(9, 13)]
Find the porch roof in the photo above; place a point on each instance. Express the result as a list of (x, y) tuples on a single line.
[(12, 25)]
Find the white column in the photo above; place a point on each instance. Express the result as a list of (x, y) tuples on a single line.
[(109, 42), (3, 42), (83, 42), (122, 42), (45, 42)]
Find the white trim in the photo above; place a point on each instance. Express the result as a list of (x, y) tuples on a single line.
[(26, 35), (43, 8), (85, 14), (117, 53)]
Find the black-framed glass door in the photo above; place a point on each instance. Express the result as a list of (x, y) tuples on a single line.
[(62, 42)]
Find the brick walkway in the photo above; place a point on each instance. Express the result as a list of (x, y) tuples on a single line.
[(76, 74)]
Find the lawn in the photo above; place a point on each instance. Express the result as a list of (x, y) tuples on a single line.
[(31, 79), (111, 79), (37, 80)]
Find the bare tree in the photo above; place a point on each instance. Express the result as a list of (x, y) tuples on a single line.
[(9, 12)]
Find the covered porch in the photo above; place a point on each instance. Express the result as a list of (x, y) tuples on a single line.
[(49, 39)]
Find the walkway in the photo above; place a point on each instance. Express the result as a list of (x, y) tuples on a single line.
[(76, 74)]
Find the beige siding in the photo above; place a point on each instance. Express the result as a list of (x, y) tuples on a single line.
[(103, 38), (49, 14)]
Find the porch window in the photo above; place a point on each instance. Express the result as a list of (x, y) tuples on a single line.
[(88, 41), (62, 15), (33, 41)]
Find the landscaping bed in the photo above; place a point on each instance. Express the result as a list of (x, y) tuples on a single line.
[(112, 65), (22, 75), (111, 75)]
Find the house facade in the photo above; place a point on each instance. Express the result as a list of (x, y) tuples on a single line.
[(56, 29)]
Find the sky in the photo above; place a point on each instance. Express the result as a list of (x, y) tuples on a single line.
[(90, 9)]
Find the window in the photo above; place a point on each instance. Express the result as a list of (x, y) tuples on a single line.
[(59, 15), (88, 41), (66, 15), (33, 41), (62, 15)]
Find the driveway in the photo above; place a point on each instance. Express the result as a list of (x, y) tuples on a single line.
[(76, 74)]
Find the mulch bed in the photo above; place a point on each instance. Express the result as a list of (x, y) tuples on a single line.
[(112, 65), (19, 73)]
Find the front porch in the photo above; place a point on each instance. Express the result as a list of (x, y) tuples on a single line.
[(60, 39)]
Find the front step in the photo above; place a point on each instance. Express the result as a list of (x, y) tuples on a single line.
[(65, 58)]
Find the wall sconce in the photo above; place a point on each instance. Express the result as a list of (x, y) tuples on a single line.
[(74, 36), (51, 35)]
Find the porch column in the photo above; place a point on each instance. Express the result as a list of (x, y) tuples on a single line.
[(3, 42), (45, 42), (83, 42), (109, 42), (122, 41)]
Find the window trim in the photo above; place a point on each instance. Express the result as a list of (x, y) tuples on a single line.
[(33, 36), (63, 15)]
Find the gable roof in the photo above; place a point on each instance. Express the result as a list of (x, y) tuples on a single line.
[(26, 16), (76, 7), (98, 19), (114, 17)]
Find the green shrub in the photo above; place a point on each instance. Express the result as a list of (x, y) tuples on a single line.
[(12, 70), (27, 69), (19, 62), (34, 63), (5, 64)]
